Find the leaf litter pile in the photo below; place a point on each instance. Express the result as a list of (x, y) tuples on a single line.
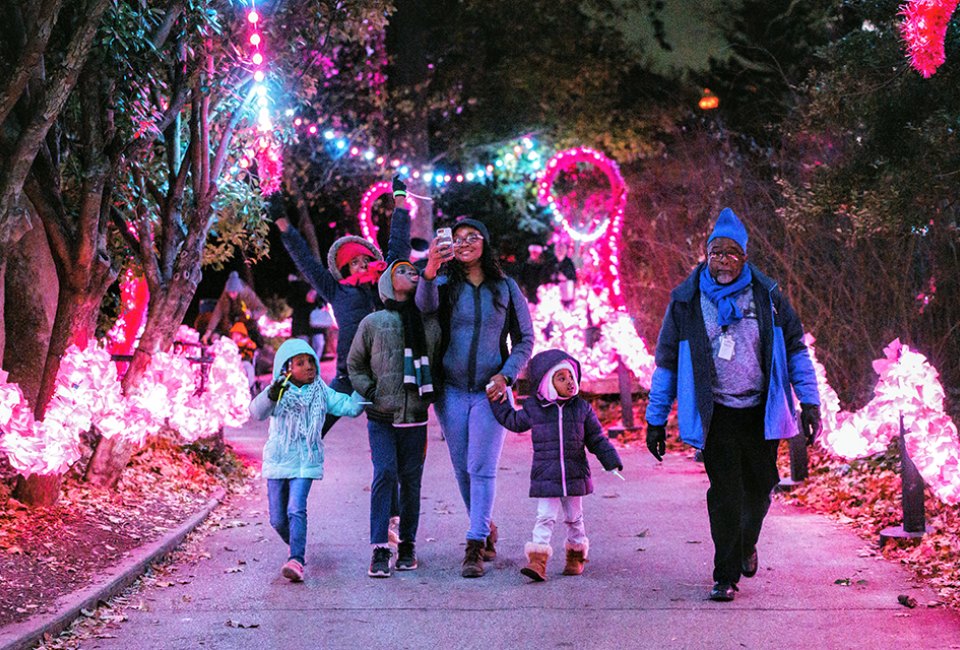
[(49, 553), (864, 494)]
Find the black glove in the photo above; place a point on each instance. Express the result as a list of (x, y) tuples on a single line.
[(276, 389), (399, 187), (657, 440), (810, 422)]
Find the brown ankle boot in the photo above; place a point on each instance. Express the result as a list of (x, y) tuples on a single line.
[(537, 556), (576, 556), (489, 548), (473, 559)]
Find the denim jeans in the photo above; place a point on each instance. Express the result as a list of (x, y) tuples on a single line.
[(288, 512), (548, 511), (475, 440), (398, 454)]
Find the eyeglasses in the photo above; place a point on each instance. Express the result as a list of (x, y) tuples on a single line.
[(468, 240), (725, 255)]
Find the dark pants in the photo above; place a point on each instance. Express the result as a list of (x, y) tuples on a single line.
[(742, 468), (341, 384), (398, 454)]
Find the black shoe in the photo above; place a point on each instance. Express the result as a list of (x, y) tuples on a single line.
[(380, 564), (750, 564), (406, 557), (723, 592)]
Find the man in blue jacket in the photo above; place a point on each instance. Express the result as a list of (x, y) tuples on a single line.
[(729, 350)]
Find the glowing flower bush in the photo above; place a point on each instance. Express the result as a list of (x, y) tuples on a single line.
[(908, 387), (924, 28), (275, 329), (618, 338), (88, 393)]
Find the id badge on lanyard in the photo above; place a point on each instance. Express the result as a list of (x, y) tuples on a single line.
[(726, 346)]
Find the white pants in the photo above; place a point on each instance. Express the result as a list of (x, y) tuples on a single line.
[(549, 509)]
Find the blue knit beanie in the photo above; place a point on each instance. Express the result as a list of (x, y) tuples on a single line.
[(234, 283), (473, 223), (730, 227)]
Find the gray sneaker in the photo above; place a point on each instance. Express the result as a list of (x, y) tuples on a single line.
[(406, 557), (380, 564)]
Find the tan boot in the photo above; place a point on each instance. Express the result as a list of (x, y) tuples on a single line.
[(490, 549), (537, 556), (473, 559), (576, 557)]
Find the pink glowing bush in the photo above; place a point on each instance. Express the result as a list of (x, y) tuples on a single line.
[(923, 29), (88, 393), (908, 387), (618, 337)]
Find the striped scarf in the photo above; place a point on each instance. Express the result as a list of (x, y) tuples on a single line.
[(416, 363)]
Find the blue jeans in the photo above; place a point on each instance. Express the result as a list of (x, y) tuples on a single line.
[(475, 440), (398, 454), (288, 512)]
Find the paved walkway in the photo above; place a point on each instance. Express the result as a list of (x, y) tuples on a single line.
[(645, 586)]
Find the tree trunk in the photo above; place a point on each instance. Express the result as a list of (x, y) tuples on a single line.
[(75, 322), (164, 315), (304, 223), (109, 460), (38, 490), (30, 313), (409, 29)]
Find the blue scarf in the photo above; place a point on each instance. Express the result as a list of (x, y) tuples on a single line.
[(299, 415), (723, 295)]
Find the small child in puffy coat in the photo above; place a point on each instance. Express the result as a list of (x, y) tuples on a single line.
[(563, 427), (296, 402)]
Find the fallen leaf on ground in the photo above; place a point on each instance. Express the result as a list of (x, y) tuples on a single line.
[(907, 601)]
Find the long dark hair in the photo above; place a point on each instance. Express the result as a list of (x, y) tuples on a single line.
[(457, 275)]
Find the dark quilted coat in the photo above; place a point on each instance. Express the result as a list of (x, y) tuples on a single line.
[(560, 466)]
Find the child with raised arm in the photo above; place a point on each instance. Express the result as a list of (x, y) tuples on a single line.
[(296, 402), (563, 426)]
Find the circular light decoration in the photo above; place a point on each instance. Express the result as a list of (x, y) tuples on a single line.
[(365, 216), (606, 234)]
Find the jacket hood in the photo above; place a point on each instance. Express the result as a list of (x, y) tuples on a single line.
[(290, 349), (385, 284), (332, 253), (544, 361)]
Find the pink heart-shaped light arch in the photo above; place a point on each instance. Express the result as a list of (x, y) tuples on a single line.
[(365, 216), (605, 253)]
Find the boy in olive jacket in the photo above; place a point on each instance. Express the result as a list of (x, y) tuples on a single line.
[(389, 365)]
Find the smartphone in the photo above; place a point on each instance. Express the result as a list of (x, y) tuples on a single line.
[(444, 237)]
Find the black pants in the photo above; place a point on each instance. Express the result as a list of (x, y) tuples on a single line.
[(742, 468)]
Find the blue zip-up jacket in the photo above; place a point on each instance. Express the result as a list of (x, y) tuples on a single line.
[(685, 367), (561, 432), (473, 354), (349, 303)]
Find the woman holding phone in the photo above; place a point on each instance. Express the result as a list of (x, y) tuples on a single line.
[(479, 308)]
